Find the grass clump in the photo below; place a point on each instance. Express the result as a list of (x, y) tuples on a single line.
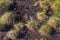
[(32, 24), (18, 26), (42, 17), (2, 24), (6, 19), (53, 21), (45, 30), (12, 34), (42, 39)]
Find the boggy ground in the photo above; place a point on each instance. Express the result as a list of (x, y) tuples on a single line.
[(31, 20)]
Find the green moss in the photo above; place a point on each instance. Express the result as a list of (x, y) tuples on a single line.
[(2, 24), (1, 1), (58, 23), (5, 5)]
